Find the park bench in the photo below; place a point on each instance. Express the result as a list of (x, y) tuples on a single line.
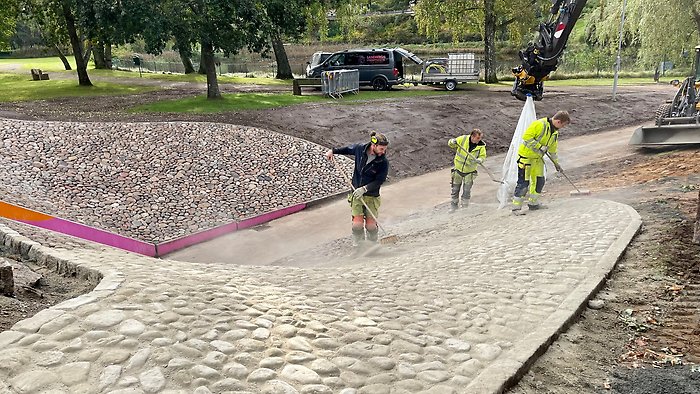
[(38, 75), (298, 83)]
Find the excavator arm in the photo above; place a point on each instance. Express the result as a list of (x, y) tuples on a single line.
[(541, 57)]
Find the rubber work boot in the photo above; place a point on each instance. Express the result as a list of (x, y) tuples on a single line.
[(372, 235), (358, 236), (465, 203), (453, 207), (517, 212), (534, 207)]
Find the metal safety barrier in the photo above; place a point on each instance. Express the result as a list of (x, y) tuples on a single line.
[(335, 83)]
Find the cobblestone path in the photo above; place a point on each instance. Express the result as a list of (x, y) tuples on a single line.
[(458, 306)]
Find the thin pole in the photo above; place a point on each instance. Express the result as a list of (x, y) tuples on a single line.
[(619, 49)]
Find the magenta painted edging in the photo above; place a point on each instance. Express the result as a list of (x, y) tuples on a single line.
[(93, 234), (189, 240), (270, 216)]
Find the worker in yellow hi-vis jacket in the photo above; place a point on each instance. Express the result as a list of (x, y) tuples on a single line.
[(539, 140), (470, 151)]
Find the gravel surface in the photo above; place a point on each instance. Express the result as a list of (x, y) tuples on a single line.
[(158, 181)]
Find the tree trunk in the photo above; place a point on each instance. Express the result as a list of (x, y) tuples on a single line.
[(80, 64), (696, 235), (208, 60), (108, 55), (88, 52), (186, 61), (489, 42), (284, 70), (202, 66), (100, 56), (65, 62)]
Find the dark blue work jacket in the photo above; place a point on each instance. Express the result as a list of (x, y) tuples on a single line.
[(371, 175)]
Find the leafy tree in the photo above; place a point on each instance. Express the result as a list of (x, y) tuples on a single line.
[(350, 19), (518, 18), (316, 21), (214, 25), (9, 13), (285, 18), (662, 29), (57, 21)]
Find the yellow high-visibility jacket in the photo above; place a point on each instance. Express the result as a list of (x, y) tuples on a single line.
[(463, 163), (539, 133)]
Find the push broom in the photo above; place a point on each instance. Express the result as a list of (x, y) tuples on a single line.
[(578, 192), (386, 238), (482, 166)]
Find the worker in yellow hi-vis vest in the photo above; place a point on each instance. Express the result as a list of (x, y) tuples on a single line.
[(539, 140), (470, 151)]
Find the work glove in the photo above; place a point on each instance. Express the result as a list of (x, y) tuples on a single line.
[(452, 142), (479, 160), (543, 149), (558, 168), (359, 192)]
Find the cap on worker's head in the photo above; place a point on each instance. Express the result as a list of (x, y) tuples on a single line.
[(378, 138)]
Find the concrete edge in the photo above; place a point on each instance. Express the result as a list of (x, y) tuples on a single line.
[(504, 374)]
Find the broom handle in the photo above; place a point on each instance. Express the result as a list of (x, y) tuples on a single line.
[(349, 182), (481, 164), (563, 173)]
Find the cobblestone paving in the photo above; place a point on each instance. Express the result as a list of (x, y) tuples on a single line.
[(457, 306)]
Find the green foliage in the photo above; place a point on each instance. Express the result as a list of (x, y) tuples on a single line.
[(350, 19), (26, 34), (227, 26), (661, 29), (287, 16), (22, 88), (9, 12), (516, 19), (316, 22)]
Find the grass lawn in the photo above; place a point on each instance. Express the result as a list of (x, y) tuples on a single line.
[(54, 64), (251, 101), (46, 64), (601, 81), (189, 77), (21, 88)]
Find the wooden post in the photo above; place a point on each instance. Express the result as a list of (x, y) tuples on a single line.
[(7, 282), (696, 235), (296, 89)]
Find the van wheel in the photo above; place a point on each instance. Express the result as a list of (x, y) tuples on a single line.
[(379, 83), (450, 85)]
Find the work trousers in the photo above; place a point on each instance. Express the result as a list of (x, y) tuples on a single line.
[(463, 182), (530, 182)]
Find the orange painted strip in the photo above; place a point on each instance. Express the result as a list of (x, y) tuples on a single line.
[(14, 212)]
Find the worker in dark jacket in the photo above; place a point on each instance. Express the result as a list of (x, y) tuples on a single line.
[(371, 169)]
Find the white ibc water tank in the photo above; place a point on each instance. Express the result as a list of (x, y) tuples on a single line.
[(460, 63)]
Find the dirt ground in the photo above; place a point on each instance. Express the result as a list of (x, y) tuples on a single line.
[(36, 288), (647, 335)]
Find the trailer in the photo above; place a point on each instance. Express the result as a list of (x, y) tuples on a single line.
[(455, 69)]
